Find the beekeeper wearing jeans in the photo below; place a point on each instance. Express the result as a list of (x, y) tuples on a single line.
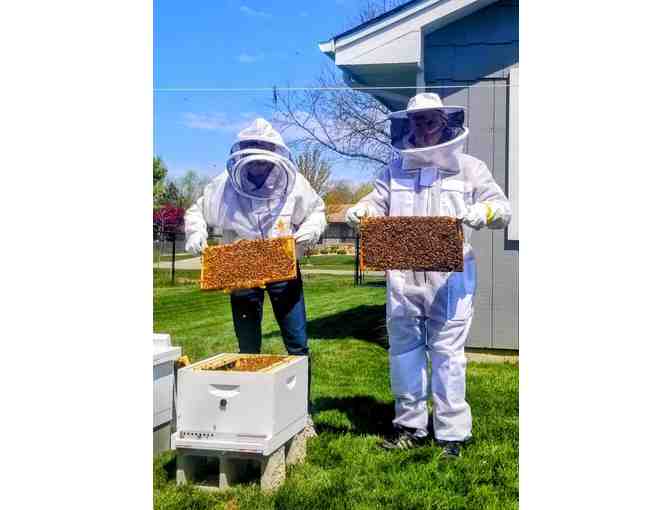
[(261, 195), (429, 313)]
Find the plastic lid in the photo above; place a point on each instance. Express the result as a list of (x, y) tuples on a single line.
[(164, 350)]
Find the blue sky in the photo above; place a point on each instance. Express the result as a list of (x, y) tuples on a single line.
[(233, 44)]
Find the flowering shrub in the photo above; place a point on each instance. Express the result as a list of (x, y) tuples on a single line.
[(169, 219)]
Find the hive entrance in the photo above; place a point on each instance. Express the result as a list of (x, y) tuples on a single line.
[(425, 243), (246, 363)]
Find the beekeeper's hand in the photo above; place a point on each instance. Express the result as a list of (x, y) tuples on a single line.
[(354, 215), (478, 215), (196, 243)]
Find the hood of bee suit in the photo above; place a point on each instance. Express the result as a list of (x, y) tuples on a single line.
[(443, 153), (260, 164)]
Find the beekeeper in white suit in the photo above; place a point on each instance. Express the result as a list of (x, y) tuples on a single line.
[(261, 195), (431, 312)]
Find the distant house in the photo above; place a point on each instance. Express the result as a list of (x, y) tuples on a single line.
[(338, 231), (467, 52)]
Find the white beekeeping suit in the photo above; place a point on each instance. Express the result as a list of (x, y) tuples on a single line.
[(431, 312), (261, 195)]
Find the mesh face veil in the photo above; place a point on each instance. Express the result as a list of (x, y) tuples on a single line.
[(429, 137), (426, 129), (261, 170)]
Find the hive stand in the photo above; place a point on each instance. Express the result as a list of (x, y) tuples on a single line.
[(231, 464)]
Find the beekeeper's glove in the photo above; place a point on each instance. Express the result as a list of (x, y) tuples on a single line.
[(304, 240), (354, 215), (478, 215), (196, 243)]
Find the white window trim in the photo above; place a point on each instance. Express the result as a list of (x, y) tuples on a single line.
[(512, 232)]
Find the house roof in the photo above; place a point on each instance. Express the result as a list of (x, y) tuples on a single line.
[(336, 212), (453, 9), (387, 51), (375, 20)]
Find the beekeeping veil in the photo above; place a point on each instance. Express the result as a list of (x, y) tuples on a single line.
[(260, 165), (428, 133)]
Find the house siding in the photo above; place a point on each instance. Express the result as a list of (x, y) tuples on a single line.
[(472, 59)]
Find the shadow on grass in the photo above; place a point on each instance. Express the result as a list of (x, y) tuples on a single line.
[(365, 322), (165, 468), (366, 414), (374, 283)]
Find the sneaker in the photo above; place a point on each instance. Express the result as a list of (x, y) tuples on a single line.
[(450, 450), (404, 438), (309, 431)]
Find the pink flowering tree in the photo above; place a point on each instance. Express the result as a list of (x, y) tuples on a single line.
[(169, 219)]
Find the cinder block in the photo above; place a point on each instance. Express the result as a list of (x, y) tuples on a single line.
[(232, 464), (273, 470), (295, 449)]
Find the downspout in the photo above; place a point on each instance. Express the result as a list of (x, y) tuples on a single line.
[(420, 73)]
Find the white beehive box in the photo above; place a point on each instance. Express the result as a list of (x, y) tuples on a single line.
[(165, 355), (241, 411)]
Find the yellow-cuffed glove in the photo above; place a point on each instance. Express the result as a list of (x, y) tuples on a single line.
[(354, 215), (478, 215)]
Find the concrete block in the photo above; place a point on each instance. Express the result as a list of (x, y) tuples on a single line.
[(273, 470), (229, 471), (186, 465), (233, 464), (295, 449)]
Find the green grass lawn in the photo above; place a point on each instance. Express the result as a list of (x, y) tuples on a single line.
[(340, 262), (345, 469)]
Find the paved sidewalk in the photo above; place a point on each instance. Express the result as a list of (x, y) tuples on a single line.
[(195, 263)]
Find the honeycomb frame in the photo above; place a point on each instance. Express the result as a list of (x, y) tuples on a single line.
[(257, 263), (419, 243)]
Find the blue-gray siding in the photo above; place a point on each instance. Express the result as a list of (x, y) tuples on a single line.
[(477, 52)]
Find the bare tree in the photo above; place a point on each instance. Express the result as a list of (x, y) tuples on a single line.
[(369, 9), (184, 191), (346, 122), (362, 191), (192, 184), (340, 192), (334, 117), (316, 170)]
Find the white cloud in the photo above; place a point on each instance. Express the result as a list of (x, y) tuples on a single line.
[(215, 121), (245, 58), (251, 12)]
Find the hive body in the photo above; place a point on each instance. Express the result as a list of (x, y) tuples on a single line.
[(248, 264), (165, 355), (422, 243), (241, 402)]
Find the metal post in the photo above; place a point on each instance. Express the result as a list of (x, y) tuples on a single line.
[(356, 260), (172, 276)]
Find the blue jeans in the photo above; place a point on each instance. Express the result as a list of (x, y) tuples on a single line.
[(290, 312)]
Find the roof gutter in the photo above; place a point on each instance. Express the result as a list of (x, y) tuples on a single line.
[(328, 48)]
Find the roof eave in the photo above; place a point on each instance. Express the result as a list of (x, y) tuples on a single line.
[(328, 48)]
